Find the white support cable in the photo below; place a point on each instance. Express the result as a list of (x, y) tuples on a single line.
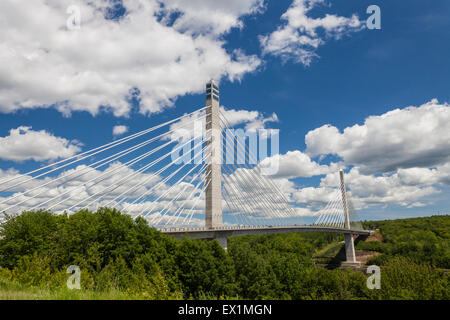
[(243, 148), (334, 218), (259, 177), (147, 191), (150, 191), (340, 214), (326, 216), (354, 218), (105, 173), (238, 212), (163, 181), (235, 210), (244, 203), (91, 167), (167, 191), (238, 217), (249, 183), (337, 216), (233, 183), (104, 147), (259, 193), (126, 165), (281, 197), (236, 196), (121, 180), (322, 215), (191, 212), (166, 209), (341, 218), (187, 198), (195, 202), (262, 203), (185, 202), (269, 205), (139, 185), (245, 217), (133, 174), (333, 204), (333, 213), (327, 212), (330, 213), (248, 172), (268, 180)]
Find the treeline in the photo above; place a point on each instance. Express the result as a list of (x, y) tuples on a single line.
[(117, 253), (422, 240)]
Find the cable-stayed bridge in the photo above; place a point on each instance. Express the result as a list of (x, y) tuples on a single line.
[(193, 175)]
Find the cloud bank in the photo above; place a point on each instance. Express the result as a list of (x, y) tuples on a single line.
[(153, 53)]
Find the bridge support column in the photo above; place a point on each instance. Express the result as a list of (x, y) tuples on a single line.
[(350, 250), (213, 194), (349, 241)]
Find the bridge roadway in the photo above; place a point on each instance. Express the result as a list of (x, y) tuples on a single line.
[(225, 232)]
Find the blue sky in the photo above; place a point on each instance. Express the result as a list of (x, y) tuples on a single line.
[(355, 73)]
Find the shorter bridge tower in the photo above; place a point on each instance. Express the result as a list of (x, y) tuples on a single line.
[(349, 237)]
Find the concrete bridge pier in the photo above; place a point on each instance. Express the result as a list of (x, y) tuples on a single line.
[(350, 251), (349, 240)]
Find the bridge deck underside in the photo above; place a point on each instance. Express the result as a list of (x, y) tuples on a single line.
[(230, 232)]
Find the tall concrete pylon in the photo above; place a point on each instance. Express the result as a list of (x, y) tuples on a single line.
[(349, 242), (213, 213)]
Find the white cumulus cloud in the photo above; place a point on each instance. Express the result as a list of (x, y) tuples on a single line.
[(150, 53), (298, 38), (118, 130), (402, 138), (195, 124), (294, 164), (23, 143)]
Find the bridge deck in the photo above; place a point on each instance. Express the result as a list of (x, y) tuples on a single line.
[(204, 233)]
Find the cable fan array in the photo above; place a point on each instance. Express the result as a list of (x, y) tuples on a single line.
[(249, 195), (142, 174), (160, 175), (333, 214)]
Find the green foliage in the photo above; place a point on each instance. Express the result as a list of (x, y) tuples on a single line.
[(204, 267), (423, 240), (122, 258), (26, 234), (401, 278)]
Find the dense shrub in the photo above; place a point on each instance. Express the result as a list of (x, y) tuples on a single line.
[(401, 278), (423, 240)]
